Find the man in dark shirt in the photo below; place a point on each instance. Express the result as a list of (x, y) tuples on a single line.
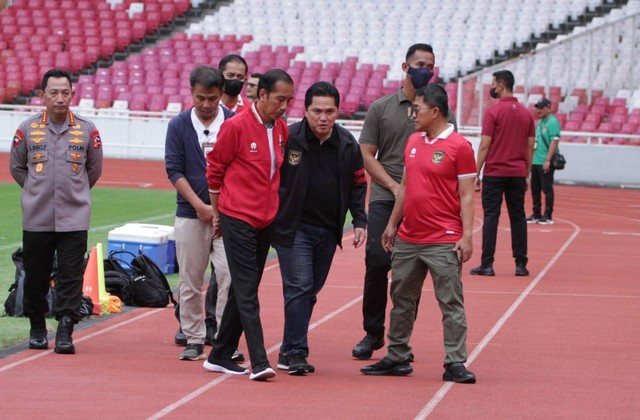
[(322, 177)]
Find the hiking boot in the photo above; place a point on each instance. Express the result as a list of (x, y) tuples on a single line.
[(180, 338), (64, 343), (364, 349), (38, 340), (224, 366), (193, 352)]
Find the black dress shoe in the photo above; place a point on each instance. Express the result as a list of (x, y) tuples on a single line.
[(483, 270), (387, 367), (38, 340), (364, 349), (521, 270), (457, 372)]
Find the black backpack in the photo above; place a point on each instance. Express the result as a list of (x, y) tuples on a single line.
[(142, 284), (118, 281), (13, 306)]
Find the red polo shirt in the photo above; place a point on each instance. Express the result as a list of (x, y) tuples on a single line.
[(509, 124), (432, 170)]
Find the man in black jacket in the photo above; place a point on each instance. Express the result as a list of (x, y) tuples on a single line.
[(322, 177)]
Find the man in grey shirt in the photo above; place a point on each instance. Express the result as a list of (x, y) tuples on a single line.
[(56, 158)]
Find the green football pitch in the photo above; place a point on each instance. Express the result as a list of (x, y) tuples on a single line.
[(112, 207)]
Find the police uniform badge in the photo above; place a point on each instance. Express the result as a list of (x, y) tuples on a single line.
[(39, 167), (294, 157), (17, 138), (438, 155), (95, 139)]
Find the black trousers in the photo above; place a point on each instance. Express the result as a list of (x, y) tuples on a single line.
[(542, 181), (513, 189), (377, 267), (247, 249), (38, 250)]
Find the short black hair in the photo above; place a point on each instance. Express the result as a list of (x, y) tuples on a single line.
[(436, 97), (324, 89), (270, 78), (417, 47), (233, 57), (207, 77), (506, 78), (55, 73), (257, 75)]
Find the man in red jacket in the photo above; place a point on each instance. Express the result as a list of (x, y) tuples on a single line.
[(243, 174)]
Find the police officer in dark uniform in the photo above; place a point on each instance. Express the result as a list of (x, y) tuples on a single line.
[(56, 158)]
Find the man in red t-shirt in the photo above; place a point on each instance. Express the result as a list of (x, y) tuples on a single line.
[(506, 152), (435, 205)]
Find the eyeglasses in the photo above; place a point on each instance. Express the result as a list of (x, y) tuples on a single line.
[(238, 76), (415, 109)]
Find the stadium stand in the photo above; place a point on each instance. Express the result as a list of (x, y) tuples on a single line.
[(137, 54)]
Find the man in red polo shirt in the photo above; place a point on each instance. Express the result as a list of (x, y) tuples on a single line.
[(506, 152), (435, 207), (243, 174)]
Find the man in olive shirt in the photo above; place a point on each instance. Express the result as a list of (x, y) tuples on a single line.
[(386, 128)]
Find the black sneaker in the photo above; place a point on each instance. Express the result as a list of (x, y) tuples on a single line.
[(482, 270), (64, 342), (193, 352), (545, 221), (298, 365), (237, 356), (262, 373), (387, 367), (457, 372), (283, 363), (224, 366), (364, 349), (533, 219)]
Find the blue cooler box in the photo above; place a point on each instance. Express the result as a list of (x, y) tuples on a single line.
[(172, 263), (152, 242)]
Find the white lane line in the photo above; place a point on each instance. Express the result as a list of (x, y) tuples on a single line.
[(189, 397), (444, 389), (81, 339)]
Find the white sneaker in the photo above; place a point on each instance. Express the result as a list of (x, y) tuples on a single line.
[(262, 375)]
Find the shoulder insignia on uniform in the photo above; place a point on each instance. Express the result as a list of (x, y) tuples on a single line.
[(17, 138), (95, 139)]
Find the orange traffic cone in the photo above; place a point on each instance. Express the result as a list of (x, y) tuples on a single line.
[(90, 285)]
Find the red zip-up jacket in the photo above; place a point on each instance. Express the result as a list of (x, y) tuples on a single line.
[(239, 168)]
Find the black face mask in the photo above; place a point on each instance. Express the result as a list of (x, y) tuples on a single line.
[(232, 87), (493, 93)]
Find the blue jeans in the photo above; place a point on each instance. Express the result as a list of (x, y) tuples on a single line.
[(304, 267)]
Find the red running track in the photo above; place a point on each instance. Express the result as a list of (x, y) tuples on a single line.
[(560, 344)]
